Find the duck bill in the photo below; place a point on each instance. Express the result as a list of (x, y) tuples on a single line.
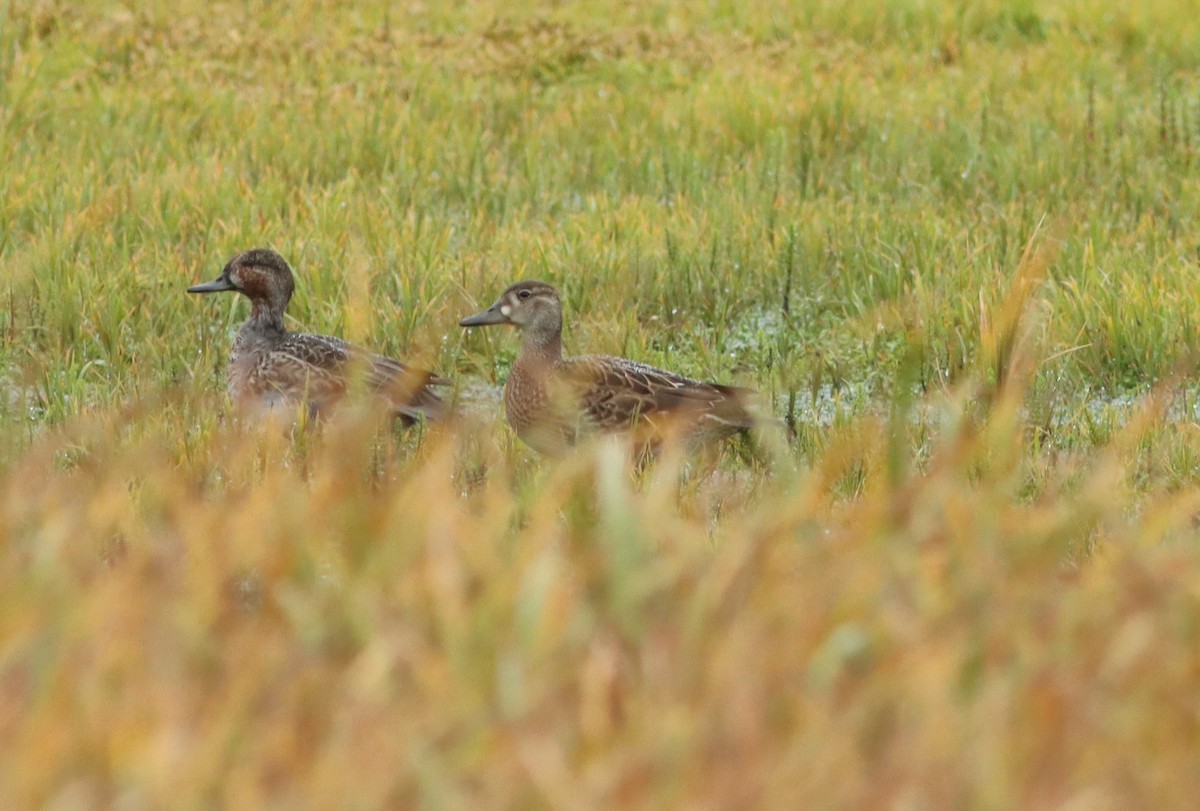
[(487, 318), (217, 285)]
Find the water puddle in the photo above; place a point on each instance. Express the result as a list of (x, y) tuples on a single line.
[(479, 397)]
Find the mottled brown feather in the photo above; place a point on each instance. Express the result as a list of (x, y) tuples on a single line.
[(550, 400), (271, 366)]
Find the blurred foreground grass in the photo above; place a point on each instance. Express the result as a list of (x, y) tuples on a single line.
[(370, 623), (970, 584)]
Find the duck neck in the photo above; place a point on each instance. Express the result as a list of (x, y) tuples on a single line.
[(542, 345), (265, 318), (262, 329)]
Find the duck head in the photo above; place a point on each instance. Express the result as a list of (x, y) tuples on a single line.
[(533, 307), (261, 275)]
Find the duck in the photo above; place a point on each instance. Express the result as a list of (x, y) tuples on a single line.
[(272, 368), (552, 401)]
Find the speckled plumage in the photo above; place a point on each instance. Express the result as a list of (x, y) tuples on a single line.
[(272, 367), (550, 400)]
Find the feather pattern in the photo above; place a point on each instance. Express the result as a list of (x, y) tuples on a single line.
[(615, 392), (272, 367), (551, 400)]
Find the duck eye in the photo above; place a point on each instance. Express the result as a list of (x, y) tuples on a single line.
[(524, 294)]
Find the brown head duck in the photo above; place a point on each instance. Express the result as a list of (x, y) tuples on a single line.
[(272, 366)]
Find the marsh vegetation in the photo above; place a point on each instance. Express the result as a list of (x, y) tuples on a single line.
[(954, 246)]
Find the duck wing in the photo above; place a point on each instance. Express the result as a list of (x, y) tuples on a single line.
[(319, 368), (615, 393)]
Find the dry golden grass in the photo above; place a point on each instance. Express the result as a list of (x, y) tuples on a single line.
[(348, 619)]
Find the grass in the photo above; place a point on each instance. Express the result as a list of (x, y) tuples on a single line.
[(954, 245)]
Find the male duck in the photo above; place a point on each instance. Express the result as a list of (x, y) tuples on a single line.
[(272, 367), (549, 399)]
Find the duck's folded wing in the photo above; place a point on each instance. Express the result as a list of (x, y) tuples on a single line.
[(326, 366), (303, 367), (614, 392)]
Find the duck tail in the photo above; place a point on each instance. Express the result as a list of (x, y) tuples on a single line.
[(420, 399)]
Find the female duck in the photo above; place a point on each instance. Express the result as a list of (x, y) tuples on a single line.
[(550, 400)]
